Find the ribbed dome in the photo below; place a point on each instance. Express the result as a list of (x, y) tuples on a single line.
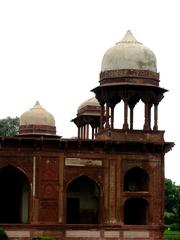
[(92, 102), (129, 54), (37, 120)]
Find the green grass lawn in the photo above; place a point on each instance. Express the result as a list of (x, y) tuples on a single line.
[(172, 235)]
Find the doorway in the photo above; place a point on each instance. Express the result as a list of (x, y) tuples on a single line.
[(14, 200), (82, 206)]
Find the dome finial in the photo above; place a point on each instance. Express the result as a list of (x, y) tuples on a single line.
[(129, 38), (37, 105)]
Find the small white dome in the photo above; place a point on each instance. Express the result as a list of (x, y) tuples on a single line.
[(129, 54), (37, 121), (93, 102), (37, 115)]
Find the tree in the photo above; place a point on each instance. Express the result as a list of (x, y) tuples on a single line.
[(170, 195), (9, 126), (172, 202)]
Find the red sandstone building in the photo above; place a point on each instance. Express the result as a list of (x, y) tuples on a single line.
[(108, 183)]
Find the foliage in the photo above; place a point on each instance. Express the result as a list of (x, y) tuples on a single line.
[(3, 235), (168, 234), (169, 218), (9, 126), (172, 202), (173, 227)]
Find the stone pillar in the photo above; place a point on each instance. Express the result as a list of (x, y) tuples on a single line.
[(79, 132), (107, 116), (84, 131), (61, 213), (146, 116), (35, 203), (112, 117), (125, 125), (93, 132), (149, 115), (87, 128), (112, 191), (131, 117), (155, 128), (102, 117)]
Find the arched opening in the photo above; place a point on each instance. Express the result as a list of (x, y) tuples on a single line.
[(136, 211), (136, 180), (138, 116), (119, 115), (82, 201), (14, 200)]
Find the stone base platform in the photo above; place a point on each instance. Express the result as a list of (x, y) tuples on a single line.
[(84, 232)]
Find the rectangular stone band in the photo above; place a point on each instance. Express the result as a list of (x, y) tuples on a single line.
[(18, 234), (82, 233), (136, 234), (111, 234)]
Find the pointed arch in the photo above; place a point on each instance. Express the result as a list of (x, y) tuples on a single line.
[(136, 179), (82, 203), (14, 200), (138, 115)]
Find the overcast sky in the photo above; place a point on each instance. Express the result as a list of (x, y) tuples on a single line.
[(51, 51)]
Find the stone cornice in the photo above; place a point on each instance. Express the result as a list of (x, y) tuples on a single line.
[(129, 76), (40, 143)]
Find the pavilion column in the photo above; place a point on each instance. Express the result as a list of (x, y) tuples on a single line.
[(87, 129), (149, 115), (107, 116), (155, 128), (131, 117), (79, 131), (146, 116), (81, 136), (102, 117), (96, 129), (84, 131), (93, 132), (112, 117), (125, 125)]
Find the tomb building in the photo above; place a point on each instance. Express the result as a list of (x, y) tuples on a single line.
[(108, 183)]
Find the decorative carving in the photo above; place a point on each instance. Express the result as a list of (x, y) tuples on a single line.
[(49, 190), (82, 162), (124, 73), (49, 168)]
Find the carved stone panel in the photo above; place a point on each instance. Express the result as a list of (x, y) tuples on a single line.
[(48, 211), (49, 190), (49, 167)]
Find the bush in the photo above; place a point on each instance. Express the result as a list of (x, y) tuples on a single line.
[(175, 227), (3, 235), (169, 218)]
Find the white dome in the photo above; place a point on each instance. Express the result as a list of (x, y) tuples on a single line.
[(129, 54), (37, 116), (90, 102)]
